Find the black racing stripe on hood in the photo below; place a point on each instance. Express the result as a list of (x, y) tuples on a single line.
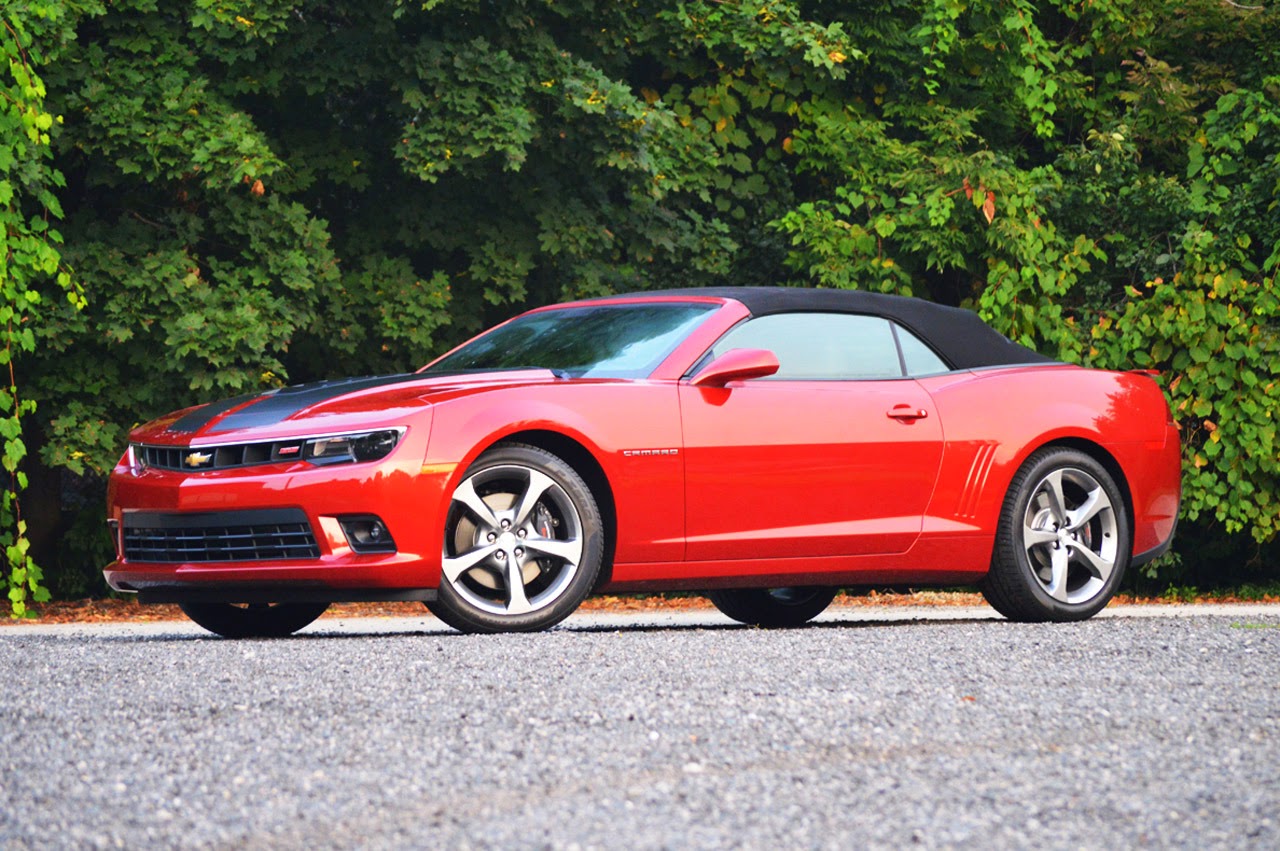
[(205, 414), (279, 405)]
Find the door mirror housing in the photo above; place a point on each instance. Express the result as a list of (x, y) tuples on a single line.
[(737, 365)]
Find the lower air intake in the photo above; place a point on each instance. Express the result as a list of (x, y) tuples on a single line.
[(269, 535)]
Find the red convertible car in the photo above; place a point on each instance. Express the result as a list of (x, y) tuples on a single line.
[(767, 446)]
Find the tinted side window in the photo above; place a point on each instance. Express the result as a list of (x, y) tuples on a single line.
[(918, 358), (820, 346)]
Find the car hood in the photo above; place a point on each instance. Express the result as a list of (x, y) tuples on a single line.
[(324, 406)]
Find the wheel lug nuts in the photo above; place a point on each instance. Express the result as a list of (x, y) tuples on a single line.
[(506, 524), (519, 552), (492, 537), (521, 533)]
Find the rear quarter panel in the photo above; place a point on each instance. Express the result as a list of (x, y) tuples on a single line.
[(993, 420)]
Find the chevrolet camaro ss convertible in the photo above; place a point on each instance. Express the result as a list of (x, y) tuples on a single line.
[(764, 445)]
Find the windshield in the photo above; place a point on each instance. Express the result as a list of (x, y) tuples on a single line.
[(600, 341)]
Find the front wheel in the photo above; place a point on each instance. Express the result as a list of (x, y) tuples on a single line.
[(523, 543), (773, 607), (1063, 541), (253, 620)]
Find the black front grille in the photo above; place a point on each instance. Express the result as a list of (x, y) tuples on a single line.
[(193, 458), (219, 536)]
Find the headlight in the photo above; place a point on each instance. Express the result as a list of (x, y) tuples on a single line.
[(345, 448)]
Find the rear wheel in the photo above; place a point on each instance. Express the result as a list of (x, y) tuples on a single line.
[(253, 620), (523, 543), (1063, 542), (773, 607)]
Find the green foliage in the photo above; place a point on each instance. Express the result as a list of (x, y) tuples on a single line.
[(1214, 335), (1180, 594), (1214, 327), (1252, 592), (28, 257), (199, 275), (265, 191)]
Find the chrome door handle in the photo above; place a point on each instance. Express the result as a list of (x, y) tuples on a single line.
[(906, 412)]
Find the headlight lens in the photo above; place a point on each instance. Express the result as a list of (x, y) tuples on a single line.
[(341, 449)]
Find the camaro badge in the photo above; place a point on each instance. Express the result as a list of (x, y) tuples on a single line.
[(198, 459)]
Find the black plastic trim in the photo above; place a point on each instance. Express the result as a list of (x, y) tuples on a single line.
[(280, 593), (205, 519)]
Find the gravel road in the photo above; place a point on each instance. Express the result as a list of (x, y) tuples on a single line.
[(645, 732)]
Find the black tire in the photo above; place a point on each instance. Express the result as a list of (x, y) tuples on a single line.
[(773, 607), (254, 620), (1063, 541), (523, 512)]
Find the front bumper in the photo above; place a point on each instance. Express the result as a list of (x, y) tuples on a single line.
[(408, 498)]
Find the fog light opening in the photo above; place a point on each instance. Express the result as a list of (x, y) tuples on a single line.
[(367, 534)]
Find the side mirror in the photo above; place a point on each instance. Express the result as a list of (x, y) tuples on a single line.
[(737, 365)]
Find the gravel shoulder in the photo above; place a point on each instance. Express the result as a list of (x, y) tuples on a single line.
[(413, 618), (882, 727)]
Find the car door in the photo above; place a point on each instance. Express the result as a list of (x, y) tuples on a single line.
[(836, 454)]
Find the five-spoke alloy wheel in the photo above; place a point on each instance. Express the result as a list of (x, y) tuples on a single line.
[(1063, 540), (523, 543)]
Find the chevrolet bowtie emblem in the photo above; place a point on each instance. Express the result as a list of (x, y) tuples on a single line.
[(198, 459)]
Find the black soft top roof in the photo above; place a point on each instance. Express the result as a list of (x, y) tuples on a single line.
[(959, 336)]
